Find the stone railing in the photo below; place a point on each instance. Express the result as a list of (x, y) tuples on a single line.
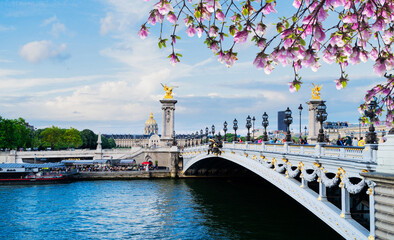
[(365, 154)]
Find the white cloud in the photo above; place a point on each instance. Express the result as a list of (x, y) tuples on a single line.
[(4, 28), (38, 51), (107, 24), (49, 21), (57, 29)]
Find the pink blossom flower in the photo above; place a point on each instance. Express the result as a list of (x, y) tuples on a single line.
[(164, 7), (341, 82), (322, 15), (288, 43), (379, 25), (213, 31), (259, 61), (220, 56), (220, 15), (319, 35), (261, 43), (173, 59), (268, 68), (297, 3), (379, 67), (199, 32), (230, 58), (373, 54), (260, 29), (269, 8), (143, 32), (214, 46), (172, 18), (350, 18), (337, 40), (329, 55), (241, 36), (191, 31), (188, 21), (368, 9)]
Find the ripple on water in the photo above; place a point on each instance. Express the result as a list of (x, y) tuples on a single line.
[(159, 209)]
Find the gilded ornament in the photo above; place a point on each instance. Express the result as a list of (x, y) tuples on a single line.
[(316, 91), (168, 91)]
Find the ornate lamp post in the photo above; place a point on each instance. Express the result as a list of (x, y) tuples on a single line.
[(201, 135), (248, 126), (253, 119), (235, 127), (225, 129), (213, 131), (370, 113), (288, 120), (265, 125), (300, 108), (321, 116), (305, 131), (192, 139), (206, 134), (359, 127)]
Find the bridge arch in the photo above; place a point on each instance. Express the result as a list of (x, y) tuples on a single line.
[(276, 174)]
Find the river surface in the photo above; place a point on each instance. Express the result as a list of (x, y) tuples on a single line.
[(156, 209)]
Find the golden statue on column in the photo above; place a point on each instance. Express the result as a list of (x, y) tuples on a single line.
[(168, 91), (316, 91)]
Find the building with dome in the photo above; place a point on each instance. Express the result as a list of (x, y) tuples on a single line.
[(151, 127)]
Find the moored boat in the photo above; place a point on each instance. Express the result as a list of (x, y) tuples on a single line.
[(27, 173)]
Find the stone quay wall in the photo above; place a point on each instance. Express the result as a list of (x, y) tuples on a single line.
[(121, 175)]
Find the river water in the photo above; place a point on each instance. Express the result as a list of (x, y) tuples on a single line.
[(156, 209)]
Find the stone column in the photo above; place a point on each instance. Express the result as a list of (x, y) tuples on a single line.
[(168, 107), (345, 202), (322, 191), (313, 124)]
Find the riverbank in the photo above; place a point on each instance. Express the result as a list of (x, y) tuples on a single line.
[(121, 175)]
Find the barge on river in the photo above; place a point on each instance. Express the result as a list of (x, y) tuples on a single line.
[(28, 173)]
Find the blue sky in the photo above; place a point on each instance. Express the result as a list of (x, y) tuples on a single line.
[(81, 64)]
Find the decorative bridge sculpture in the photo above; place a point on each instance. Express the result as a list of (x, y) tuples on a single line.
[(330, 166)]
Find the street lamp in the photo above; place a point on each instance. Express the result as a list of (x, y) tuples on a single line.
[(265, 125), (305, 131), (370, 113), (235, 127), (248, 126), (213, 131), (359, 128), (321, 116), (253, 119), (300, 108), (201, 135), (206, 134), (225, 129), (192, 139), (288, 120)]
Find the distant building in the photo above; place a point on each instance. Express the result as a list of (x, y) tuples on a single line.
[(281, 125), (151, 127)]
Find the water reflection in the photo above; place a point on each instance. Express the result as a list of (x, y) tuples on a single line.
[(159, 209)]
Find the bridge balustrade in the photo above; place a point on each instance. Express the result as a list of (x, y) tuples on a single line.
[(310, 163)]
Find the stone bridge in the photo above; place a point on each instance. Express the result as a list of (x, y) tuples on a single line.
[(324, 179)]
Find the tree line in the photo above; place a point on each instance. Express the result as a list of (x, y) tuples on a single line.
[(16, 134)]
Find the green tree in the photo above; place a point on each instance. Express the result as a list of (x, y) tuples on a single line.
[(72, 137), (52, 136), (14, 133), (89, 139), (112, 143)]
